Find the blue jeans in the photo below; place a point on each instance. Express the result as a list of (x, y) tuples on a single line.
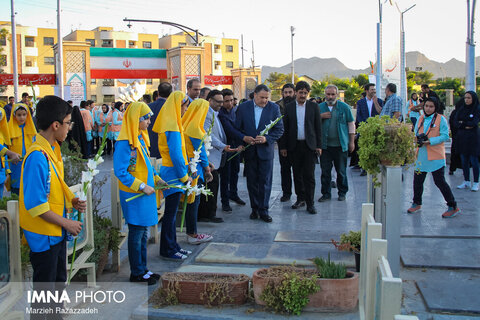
[(468, 160), (168, 236), (137, 249), (191, 216)]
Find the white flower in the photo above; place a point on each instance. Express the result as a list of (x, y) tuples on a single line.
[(82, 196), (92, 164), (99, 160), (87, 177), (95, 172)]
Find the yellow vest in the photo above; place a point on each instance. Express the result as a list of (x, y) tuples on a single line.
[(139, 170), (59, 198)]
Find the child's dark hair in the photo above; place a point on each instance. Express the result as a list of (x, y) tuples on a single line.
[(51, 109)]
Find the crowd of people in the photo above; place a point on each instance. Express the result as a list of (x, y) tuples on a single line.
[(173, 127)]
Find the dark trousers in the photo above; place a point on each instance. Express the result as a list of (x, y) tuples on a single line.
[(137, 249), (49, 274), (286, 173), (259, 183), (304, 172), (334, 156), (468, 160), (208, 207), (229, 179), (442, 185), (354, 155), (168, 236), (191, 216), (89, 148)]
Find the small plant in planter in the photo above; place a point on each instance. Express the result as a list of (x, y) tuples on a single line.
[(350, 242), (288, 289), (387, 141)]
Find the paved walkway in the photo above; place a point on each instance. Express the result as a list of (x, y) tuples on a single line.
[(441, 256)]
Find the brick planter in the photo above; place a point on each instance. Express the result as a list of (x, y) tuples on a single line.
[(335, 295), (207, 288)]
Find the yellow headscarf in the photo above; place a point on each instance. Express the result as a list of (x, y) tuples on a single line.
[(14, 127), (170, 116), (131, 121), (4, 132), (194, 119)]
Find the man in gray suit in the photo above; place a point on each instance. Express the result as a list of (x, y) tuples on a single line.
[(217, 157)]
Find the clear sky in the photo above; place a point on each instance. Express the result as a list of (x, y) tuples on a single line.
[(344, 29)]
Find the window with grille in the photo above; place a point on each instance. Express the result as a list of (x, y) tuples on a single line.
[(29, 41), (149, 81), (91, 41), (217, 48), (93, 97), (147, 44), (132, 44), (229, 64), (48, 41), (229, 48), (3, 41), (108, 82), (107, 43), (217, 65), (3, 60), (49, 60), (108, 98), (93, 81)]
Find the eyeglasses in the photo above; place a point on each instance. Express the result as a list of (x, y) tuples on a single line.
[(70, 123)]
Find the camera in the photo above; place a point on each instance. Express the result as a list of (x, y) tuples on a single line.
[(421, 139)]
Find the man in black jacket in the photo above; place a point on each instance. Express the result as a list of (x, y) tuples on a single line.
[(302, 141)]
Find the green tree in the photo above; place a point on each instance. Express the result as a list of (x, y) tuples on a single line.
[(449, 83), (410, 82), (351, 88), (362, 79), (423, 77), (318, 89), (275, 82)]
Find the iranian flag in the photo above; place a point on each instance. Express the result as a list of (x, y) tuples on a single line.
[(120, 63)]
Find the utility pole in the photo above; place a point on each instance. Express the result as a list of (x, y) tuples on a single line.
[(292, 31), (14, 53), (470, 80), (403, 74), (379, 49), (59, 53), (243, 65)]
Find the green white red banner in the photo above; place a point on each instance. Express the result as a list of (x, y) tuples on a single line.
[(122, 63)]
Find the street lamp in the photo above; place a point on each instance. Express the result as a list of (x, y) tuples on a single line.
[(403, 73), (292, 30), (470, 54), (173, 24)]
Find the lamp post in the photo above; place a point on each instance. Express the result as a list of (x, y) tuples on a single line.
[(470, 80), (173, 24), (379, 48), (403, 73), (14, 53), (60, 53), (292, 30)]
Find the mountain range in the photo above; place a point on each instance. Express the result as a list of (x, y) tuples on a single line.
[(317, 68)]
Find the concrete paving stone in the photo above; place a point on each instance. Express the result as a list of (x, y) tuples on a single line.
[(323, 236), (244, 236), (451, 292), (440, 253), (277, 253)]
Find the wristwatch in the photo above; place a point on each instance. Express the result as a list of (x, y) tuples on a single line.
[(142, 186)]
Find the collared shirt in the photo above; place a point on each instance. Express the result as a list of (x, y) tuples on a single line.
[(300, 120), (219, 126), (392, 105), (369, 105), (258, 114)]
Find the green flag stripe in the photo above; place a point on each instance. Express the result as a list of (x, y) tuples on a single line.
[(128, 53)]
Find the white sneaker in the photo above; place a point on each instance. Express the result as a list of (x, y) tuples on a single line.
[(201, 238), (464, 185), (475, 186)]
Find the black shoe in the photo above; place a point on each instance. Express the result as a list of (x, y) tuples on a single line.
[(226, 208), (155, 276), (253, 215), (450, 173), (324, 198), (364, 173), (266, 218), (213, 219), (333, 184), (238, 201), (341, 197), (298, 204), (311, 210), (285, 198), (150, 281)]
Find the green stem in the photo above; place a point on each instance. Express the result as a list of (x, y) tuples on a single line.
[(185, 202), (236, 154)]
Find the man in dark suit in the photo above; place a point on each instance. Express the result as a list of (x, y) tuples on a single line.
[(251, 119), (288, 95), (164, 90), (302, 140), (370, 106)]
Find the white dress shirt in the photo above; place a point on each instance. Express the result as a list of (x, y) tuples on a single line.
[(301, 121), (369, 105)]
